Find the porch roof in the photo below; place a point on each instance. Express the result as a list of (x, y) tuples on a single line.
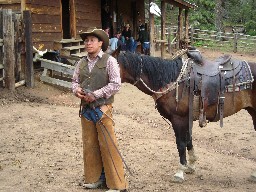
[(181, 4)]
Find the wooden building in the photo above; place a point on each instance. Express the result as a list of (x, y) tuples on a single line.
[(40, 23), (182, 36), (54, 20)]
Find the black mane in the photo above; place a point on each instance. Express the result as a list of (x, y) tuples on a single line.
[(159, 71)]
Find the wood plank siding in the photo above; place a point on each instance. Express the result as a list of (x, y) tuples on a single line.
[(88, 14), (46, 22), (54, 20), (10, 4)]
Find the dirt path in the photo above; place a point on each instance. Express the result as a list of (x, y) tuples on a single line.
[(40, 144)]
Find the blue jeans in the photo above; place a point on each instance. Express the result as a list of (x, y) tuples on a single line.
[(131, 45), (102, 176), (145, 47)]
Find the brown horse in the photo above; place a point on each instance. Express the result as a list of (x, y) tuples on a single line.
[(173, 88)]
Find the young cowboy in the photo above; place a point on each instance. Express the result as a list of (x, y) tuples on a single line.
[(95, 81)]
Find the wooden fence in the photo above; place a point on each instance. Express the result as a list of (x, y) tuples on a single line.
[(57, 73), (208, 38), (16, 59), (229, 41)]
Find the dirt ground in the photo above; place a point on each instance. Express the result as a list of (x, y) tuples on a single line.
[(41, 149)]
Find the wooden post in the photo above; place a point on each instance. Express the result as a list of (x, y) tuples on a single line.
[(29, 78), (163, 19), (17, 30), (152, 26), (22, 5), (192, 35), (169, 40), (9, 55), (235, 41), (22, 43), (186, 28), (180, 28), (1, 51), (72, 18)]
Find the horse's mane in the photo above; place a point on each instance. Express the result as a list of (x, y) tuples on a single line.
[(159, 71)]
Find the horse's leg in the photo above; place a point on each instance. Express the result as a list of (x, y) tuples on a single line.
[(252, 112), (180, 127), (192, 158)]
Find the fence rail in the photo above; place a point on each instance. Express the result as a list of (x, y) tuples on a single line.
[(210, 38), (231, 41), (51, 71)]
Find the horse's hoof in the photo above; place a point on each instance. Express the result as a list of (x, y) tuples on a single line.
[(253, 177), (177, 179), (189, 170)]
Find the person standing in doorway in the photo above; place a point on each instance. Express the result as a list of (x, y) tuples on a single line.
[(95, 81), (144, 39), (127, 37)]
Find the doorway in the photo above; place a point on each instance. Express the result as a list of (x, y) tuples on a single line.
[(65, 10), (106, 16)]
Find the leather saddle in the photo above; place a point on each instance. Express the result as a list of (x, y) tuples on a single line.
[(212, 68), (208, 80)]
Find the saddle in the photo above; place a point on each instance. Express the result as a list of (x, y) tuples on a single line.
[(209, 80)]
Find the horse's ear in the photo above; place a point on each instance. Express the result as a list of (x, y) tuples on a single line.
[(116, 52)]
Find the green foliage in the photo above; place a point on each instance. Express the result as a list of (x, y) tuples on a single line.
[(241, 12), (203, 16), (234, 12), (250, 27)]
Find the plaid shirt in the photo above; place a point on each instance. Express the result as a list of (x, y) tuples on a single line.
[(113, 70)]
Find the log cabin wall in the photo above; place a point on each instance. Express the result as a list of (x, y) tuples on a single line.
[(15, 5), (46, 22), (50, 22), (87, 14)]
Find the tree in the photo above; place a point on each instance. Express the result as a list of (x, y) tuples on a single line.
[(219, 10), (204, 16)]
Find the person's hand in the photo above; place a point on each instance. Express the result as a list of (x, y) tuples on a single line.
[(89, 97), (80, 93)]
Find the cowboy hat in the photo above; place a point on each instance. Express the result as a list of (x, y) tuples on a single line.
[(99, 33)]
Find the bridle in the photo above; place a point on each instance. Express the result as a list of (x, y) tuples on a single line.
[(172, 86), (141, 71)]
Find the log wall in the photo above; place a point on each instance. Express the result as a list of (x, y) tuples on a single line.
[(46, 22), (11, 4), (87, 14)]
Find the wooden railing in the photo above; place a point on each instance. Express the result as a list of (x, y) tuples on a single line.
[(209, 38), (57, 73), (235, 41)]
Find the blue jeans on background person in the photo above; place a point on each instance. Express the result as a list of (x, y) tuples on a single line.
[(145, 47), (134, 46), (131, 45)]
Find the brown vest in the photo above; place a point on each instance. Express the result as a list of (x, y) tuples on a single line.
[(95, 80)]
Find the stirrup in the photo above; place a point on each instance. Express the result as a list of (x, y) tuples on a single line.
[(202, 118)]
